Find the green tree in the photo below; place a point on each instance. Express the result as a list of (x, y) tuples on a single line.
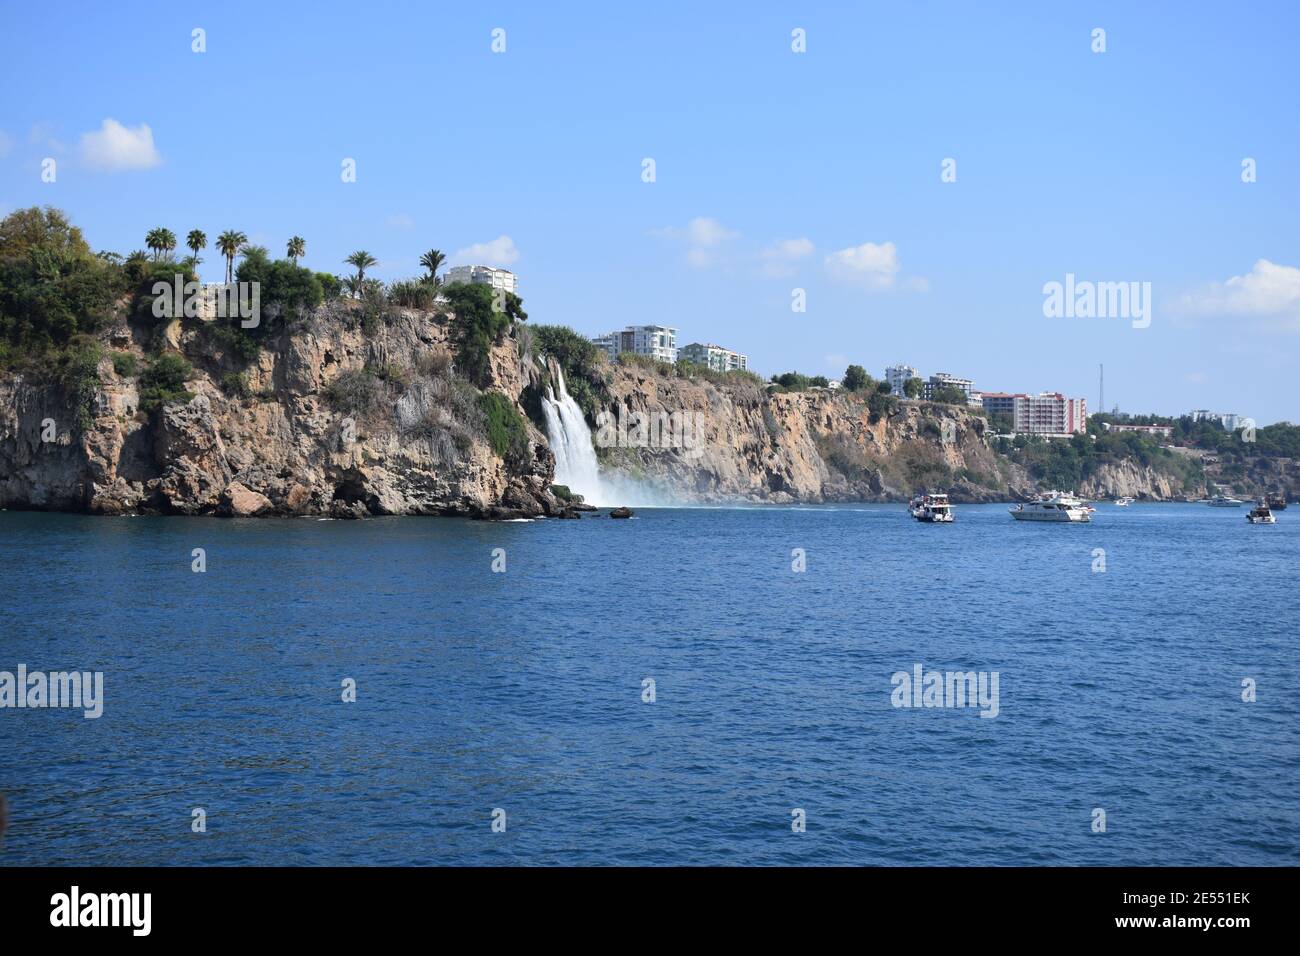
[(167, 241), (297, 248), (913, 387), (228, 244), (196, 240), (153, 241), (432, 260), (855, 378), (362, 261)]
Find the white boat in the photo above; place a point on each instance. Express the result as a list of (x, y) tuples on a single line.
[(1123, 502), (1053, 506), (1223, 501), (933, 508), (1261, 514)]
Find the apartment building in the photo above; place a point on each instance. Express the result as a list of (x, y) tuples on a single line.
[(939, 379), (714, 356), (897, 376), (656, 341), (1047, 414), (483, 275)]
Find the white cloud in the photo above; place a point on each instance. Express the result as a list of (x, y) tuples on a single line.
[(401, 220), (876, 265), (115, 147), (702, 235), (1268, 290), (500, 251), (780, 257)]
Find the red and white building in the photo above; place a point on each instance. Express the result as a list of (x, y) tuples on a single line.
[(1047, 414)]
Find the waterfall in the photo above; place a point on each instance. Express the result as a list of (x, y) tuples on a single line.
[(570, 438)]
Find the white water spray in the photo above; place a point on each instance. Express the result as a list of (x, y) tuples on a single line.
[(570, 438), (575, 454)]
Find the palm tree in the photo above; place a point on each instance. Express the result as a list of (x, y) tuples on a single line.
[(154, 241), (433, 260), (167, 239), (228, 244), (297, 248), (196, 240), (363, 261)]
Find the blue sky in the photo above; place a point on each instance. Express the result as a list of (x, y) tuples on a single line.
[(774, 170)]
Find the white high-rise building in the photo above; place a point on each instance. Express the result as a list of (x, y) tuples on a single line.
[(714, 357), (656, 341), (483, 275), (897, 376)]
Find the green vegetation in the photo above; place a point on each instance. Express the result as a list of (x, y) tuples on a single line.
[(235, 384), (355, 392), (412, 295), (580, 361), (52, 287), (913, 388), (124, 364), (229, 244), (362, 261), (948, 395), (77, 372), (855, 379), (164, 381), (296, 248), (478, 325), (1067, 463), (507, 431), (432, 261)]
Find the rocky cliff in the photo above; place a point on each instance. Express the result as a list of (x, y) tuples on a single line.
[(341, 416), (329, 418), (740, 443)]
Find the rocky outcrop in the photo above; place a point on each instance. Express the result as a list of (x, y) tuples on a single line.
[(733, 441), (328, 419)]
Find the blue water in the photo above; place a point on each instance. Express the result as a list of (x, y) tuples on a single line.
[(522, 690)]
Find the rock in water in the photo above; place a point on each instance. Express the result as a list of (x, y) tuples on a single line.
[(621, 513)]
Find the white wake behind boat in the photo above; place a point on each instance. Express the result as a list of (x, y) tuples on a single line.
[(1053, 506), (1123, 502)]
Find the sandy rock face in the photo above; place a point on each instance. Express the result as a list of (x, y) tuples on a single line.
[(813, 446), (272, 436)]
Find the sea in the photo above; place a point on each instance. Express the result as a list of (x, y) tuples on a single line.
[(720, 686)]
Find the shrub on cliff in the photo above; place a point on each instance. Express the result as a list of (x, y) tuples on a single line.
[(507, 432), (164, 381), (77, 372), (52, 287), (479, 325)]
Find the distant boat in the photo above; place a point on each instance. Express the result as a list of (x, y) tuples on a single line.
[(1261, 514), (1053, 506), (1276, 502), (1123, 502), (1224, 501), (935, 509)]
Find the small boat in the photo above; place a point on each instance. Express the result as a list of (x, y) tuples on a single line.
[(1224, 501), (933, 508), (1123, 502), (1261, 514), (1053, 506)]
